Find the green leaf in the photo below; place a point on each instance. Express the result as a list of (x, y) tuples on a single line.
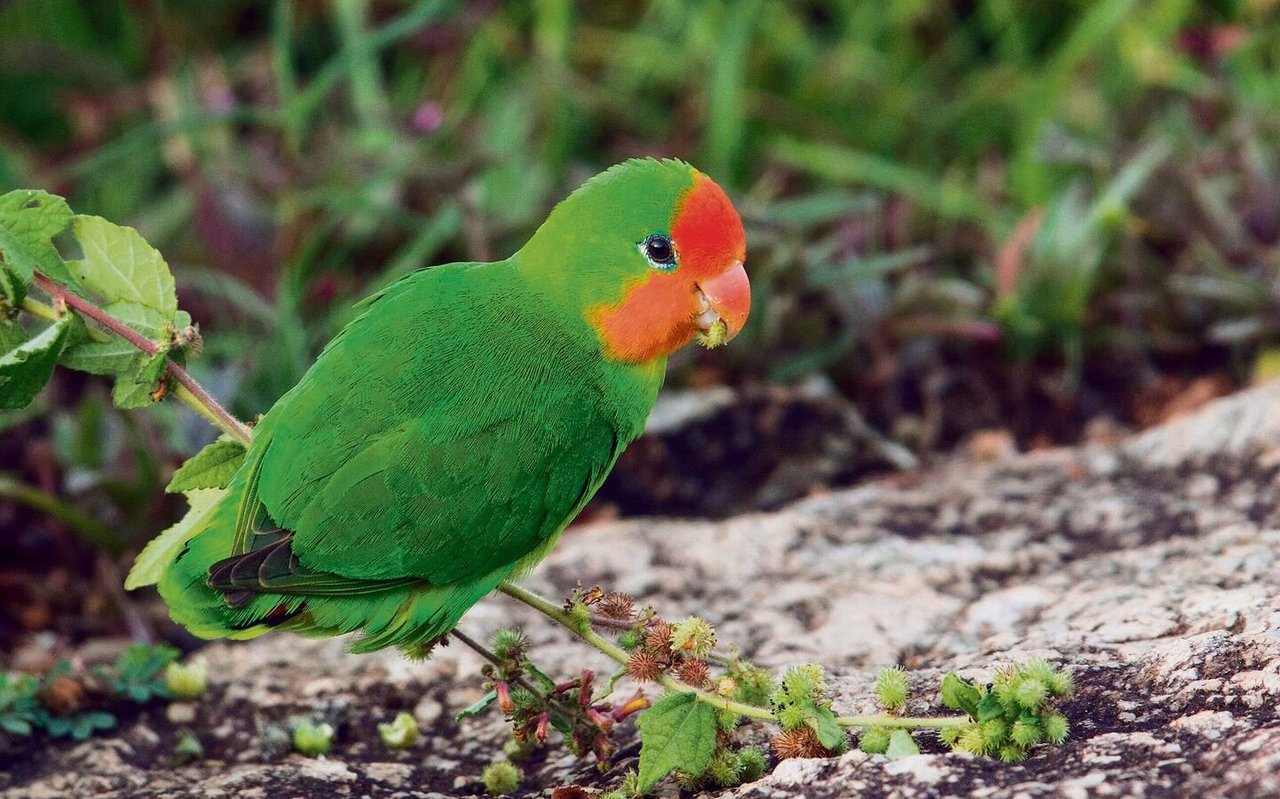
[(11, 335), (136, 385), (152, 561), (990, 707), (678, 732), (13, 289), (901, 744), (119, 264), (26, 368), (29, 220), (211, 467), (117, 356), (960, 694), (830, 734), (474, 709)]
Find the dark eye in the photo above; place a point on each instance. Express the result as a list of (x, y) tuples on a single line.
[(657, 248)]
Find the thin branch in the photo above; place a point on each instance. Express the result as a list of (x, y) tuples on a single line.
[(189, 391), (193, 394), (560, 615)]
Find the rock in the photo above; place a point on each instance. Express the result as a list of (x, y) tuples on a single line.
[(1149, 568)]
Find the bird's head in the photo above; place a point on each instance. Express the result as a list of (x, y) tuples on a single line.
[(650, 253)]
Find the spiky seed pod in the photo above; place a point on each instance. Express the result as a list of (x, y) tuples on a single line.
[(643, 666), (1025, 734), (949, 735), (1005, 686), (1055, 727), (501, 778), (1031, 693), (1012, 753), (805, 680), (874, 741), (617, 606), (629, 640), (693, 637), (791, 717), (1060, 684), (971, 741), (891, 687), (510, 644), (800, 742), (723, 769), (693, 672), (751, 764), (658, 637), (63, 696)]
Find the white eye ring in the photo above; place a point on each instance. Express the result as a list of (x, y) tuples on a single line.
[(660, 251)]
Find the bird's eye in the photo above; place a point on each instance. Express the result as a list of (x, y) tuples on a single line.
[(657, 248)]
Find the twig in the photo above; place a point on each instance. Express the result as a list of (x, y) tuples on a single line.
[(193, 394), (558, 614), (189, 391)]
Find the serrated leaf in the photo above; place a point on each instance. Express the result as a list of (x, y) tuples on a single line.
[(13, 289), (29, 219), (11, 335), (156, 556), (119, 264), (960, 694), (117, 356), (100, 357), (136, 385), (989, 707), (474, 709), (26, 368), (678, 732), (830, 733), (901, 744), (211, 467)]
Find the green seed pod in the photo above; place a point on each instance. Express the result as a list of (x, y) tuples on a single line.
[(187, 680), (1025, 734), (401, 733), (891, 687), (1055, 727), (1030, 693), (501, 778), (874, 741), (751, 764), (312, 739), (693, 637)]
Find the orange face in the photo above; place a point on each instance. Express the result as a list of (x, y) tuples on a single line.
[(704, 294)]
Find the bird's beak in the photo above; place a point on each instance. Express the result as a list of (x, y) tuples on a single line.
[(724, 303)]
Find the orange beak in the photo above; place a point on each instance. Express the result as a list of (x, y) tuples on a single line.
[(728, 297)]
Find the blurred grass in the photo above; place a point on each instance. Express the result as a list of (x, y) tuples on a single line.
[(966, 214)]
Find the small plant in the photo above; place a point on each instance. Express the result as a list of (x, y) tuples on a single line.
[(401, 733), (19, 707), (311, 738), (141, 672), (501, 778), (187, 680), (1014, 713)]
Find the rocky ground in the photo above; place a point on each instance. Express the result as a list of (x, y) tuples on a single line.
[(1150, 568)]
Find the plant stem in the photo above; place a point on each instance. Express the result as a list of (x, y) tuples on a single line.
[(189, 391), (193, 394), (558, 614)]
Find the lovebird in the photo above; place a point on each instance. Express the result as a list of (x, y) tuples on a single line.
[(445, 438)]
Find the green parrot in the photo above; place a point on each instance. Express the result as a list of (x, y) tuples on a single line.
[(444, 438)]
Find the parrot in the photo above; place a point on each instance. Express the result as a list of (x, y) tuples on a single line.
[(446, 436)]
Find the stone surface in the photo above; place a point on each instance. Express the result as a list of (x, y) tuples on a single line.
[(1150, 569)]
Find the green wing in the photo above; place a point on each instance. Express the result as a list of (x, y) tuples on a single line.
[(422, 445)]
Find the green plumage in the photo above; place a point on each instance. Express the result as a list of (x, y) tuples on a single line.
[(441, 441)]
